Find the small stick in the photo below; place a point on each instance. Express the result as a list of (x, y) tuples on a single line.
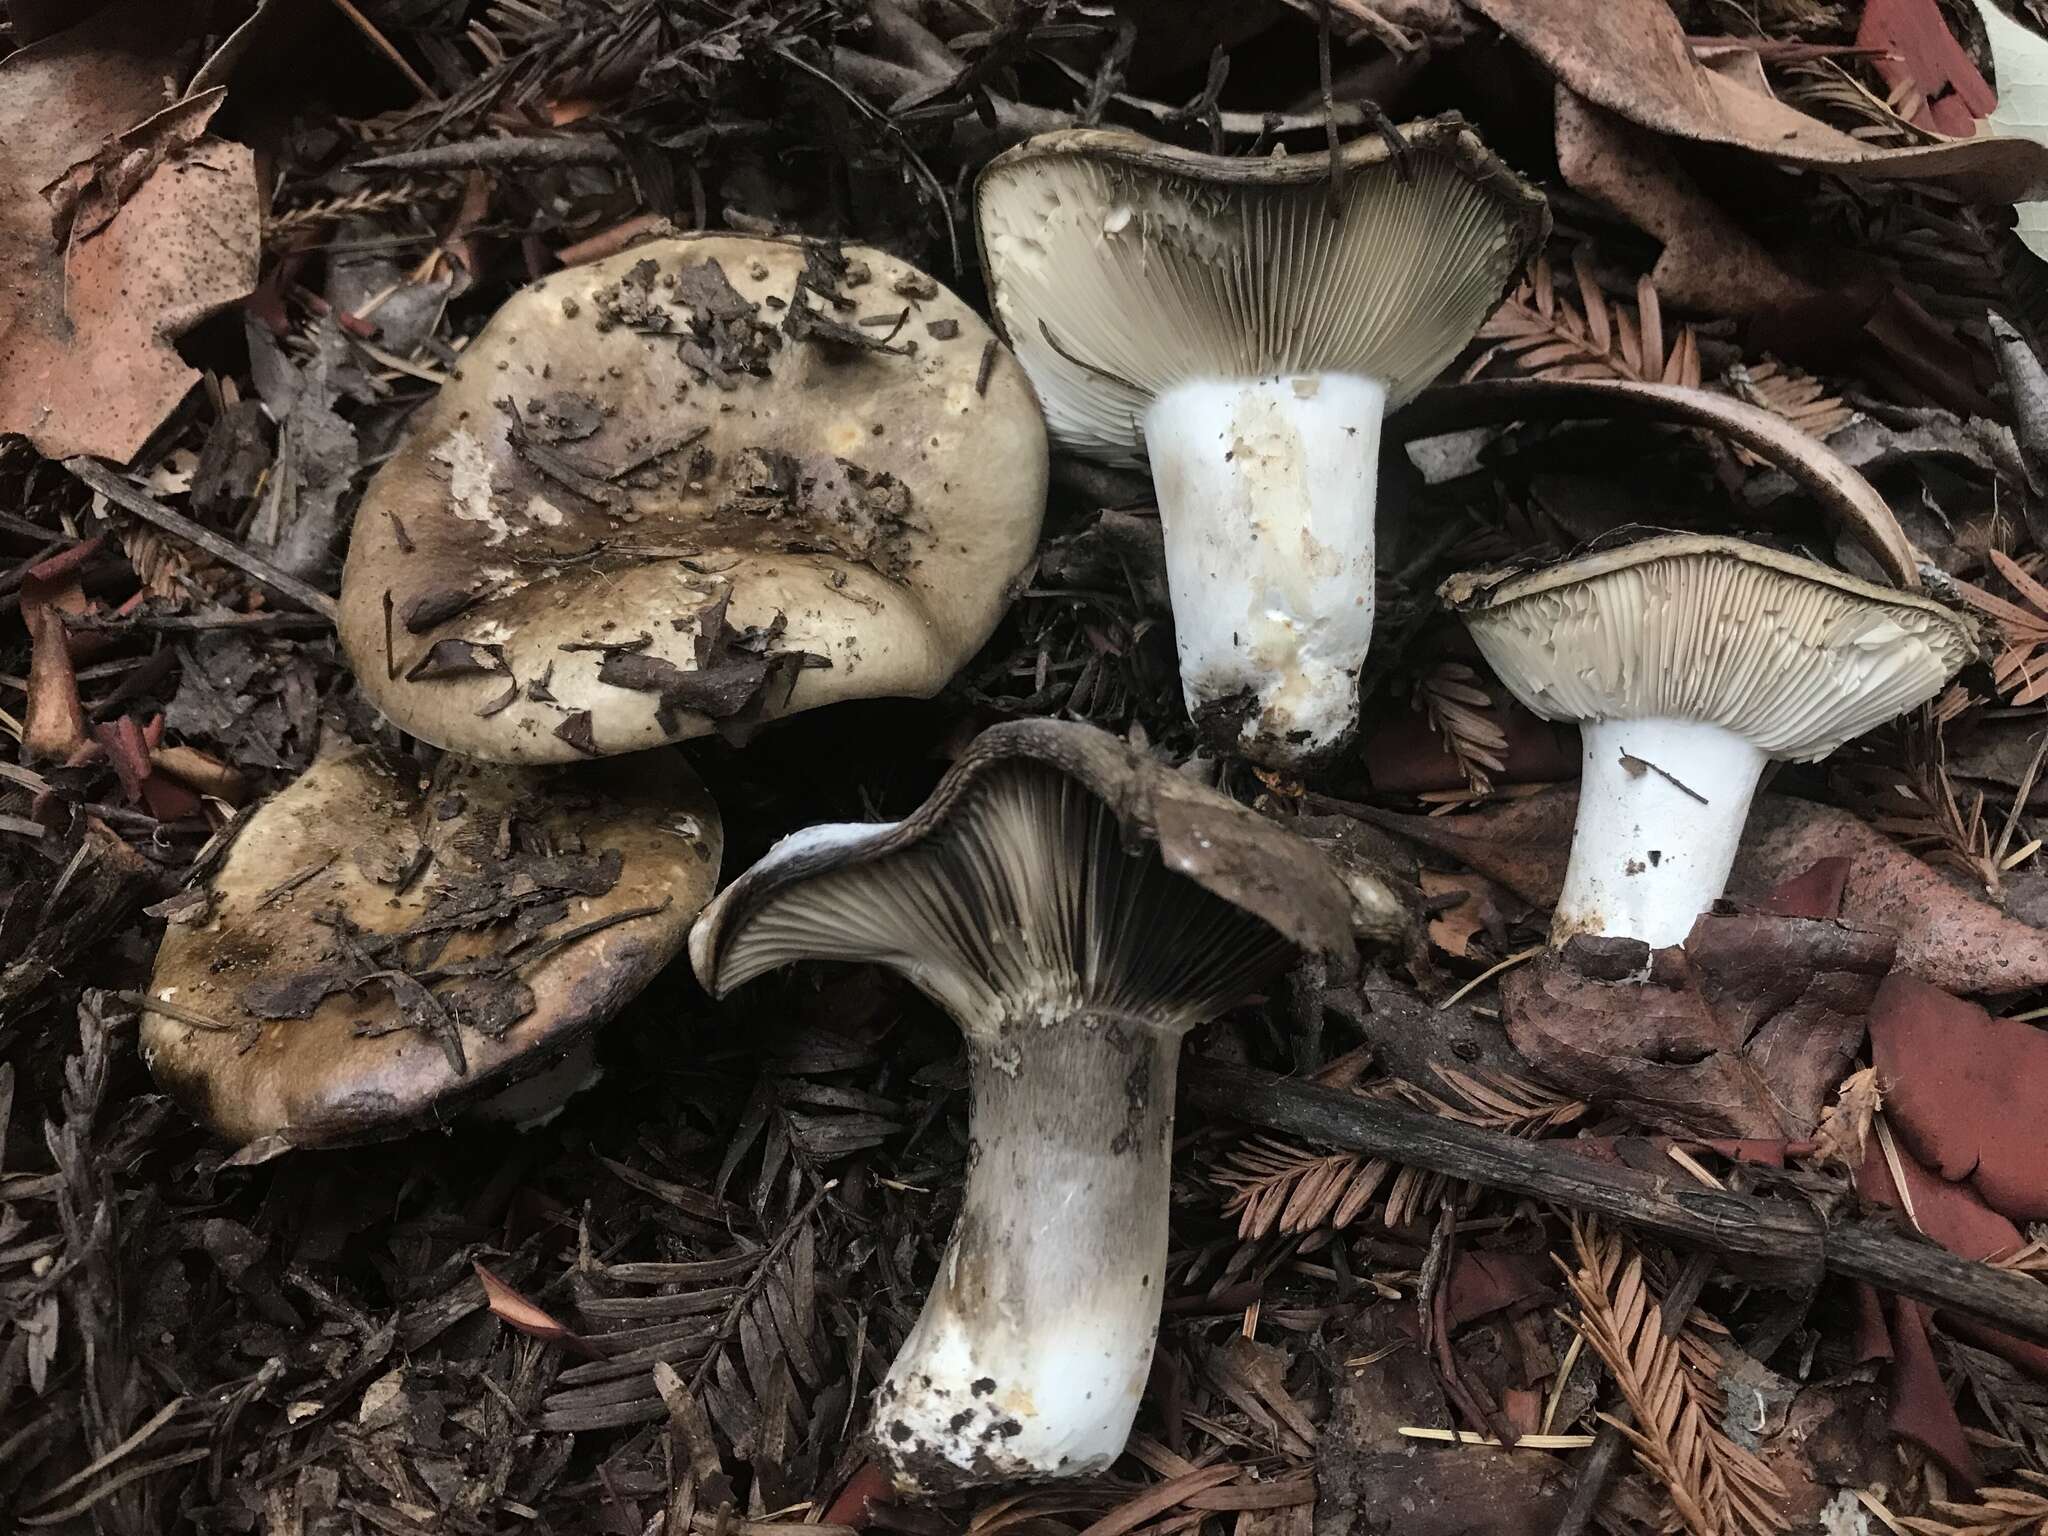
[(129, 499), (1772, 1240)]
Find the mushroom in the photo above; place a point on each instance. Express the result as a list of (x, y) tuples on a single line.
[(375, 956), (1076, 907), (1689, 661), (711, 480), (1245, 323)]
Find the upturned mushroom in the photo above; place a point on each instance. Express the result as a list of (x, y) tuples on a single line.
[(1076, 907), (1689, 661), (375, 956), (712, 480), (1245, 324)]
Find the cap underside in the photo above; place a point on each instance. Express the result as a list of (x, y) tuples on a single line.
[(1026, 906), (1115, 277), (1795, 661)]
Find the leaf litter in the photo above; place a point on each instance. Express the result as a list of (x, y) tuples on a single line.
[(664, 1310)]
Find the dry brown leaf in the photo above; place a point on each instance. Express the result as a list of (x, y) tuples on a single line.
[(1631, 57), (516, 1311), (86, 365), (1844, 1129), (1453, 929), (1946, 935), (1709, 262)]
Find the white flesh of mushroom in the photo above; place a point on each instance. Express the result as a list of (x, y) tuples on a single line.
[(1661, 808), (1245, 328), (533, 1101), (1073, 966), (1266, 494), (1689, 662)]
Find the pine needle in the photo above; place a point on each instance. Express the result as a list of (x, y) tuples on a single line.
[(1997, 1512), (1715, 1487), (1544, 335)]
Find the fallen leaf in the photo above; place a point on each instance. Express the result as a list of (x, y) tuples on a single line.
[(1967, 1093), (1844, 1130), (516, 1311), (1709, 262), (1453, 929), (1948, 937), (1631, 57), (53, 722), (86, 364), (1744, 1031)]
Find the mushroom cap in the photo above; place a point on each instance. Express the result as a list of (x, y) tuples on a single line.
[(1118, 266), (982, 878), (1790, 654), (862, 513), (350, 836)]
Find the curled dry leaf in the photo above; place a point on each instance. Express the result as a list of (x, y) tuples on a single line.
[(1844, 1131), (86, 365), (516, 1311), (1742, 1032), (1709, 262)]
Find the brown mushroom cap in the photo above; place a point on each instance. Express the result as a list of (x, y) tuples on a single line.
[(635, 841), (654, 475)]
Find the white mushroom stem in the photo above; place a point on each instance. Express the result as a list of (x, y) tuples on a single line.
[(1033, 1349), (1662, 804), (1266, 496)]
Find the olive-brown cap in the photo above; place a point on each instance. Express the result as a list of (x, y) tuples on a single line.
[(376, 954), (712, 478)]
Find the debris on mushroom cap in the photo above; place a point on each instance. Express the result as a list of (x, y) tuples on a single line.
[(1792, 655), (994, 796), (712, 480), (1119, 266), (374, 954)]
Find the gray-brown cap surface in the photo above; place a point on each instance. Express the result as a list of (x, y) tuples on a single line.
[(376, 953), (717, 478)]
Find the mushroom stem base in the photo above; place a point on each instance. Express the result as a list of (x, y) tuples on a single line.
[(1661, 808), (1034, 1347), (1266, 495)]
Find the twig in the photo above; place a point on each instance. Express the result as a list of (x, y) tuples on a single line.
[(520, 151), (382, 44), (129, 499), (1770, 1240)]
